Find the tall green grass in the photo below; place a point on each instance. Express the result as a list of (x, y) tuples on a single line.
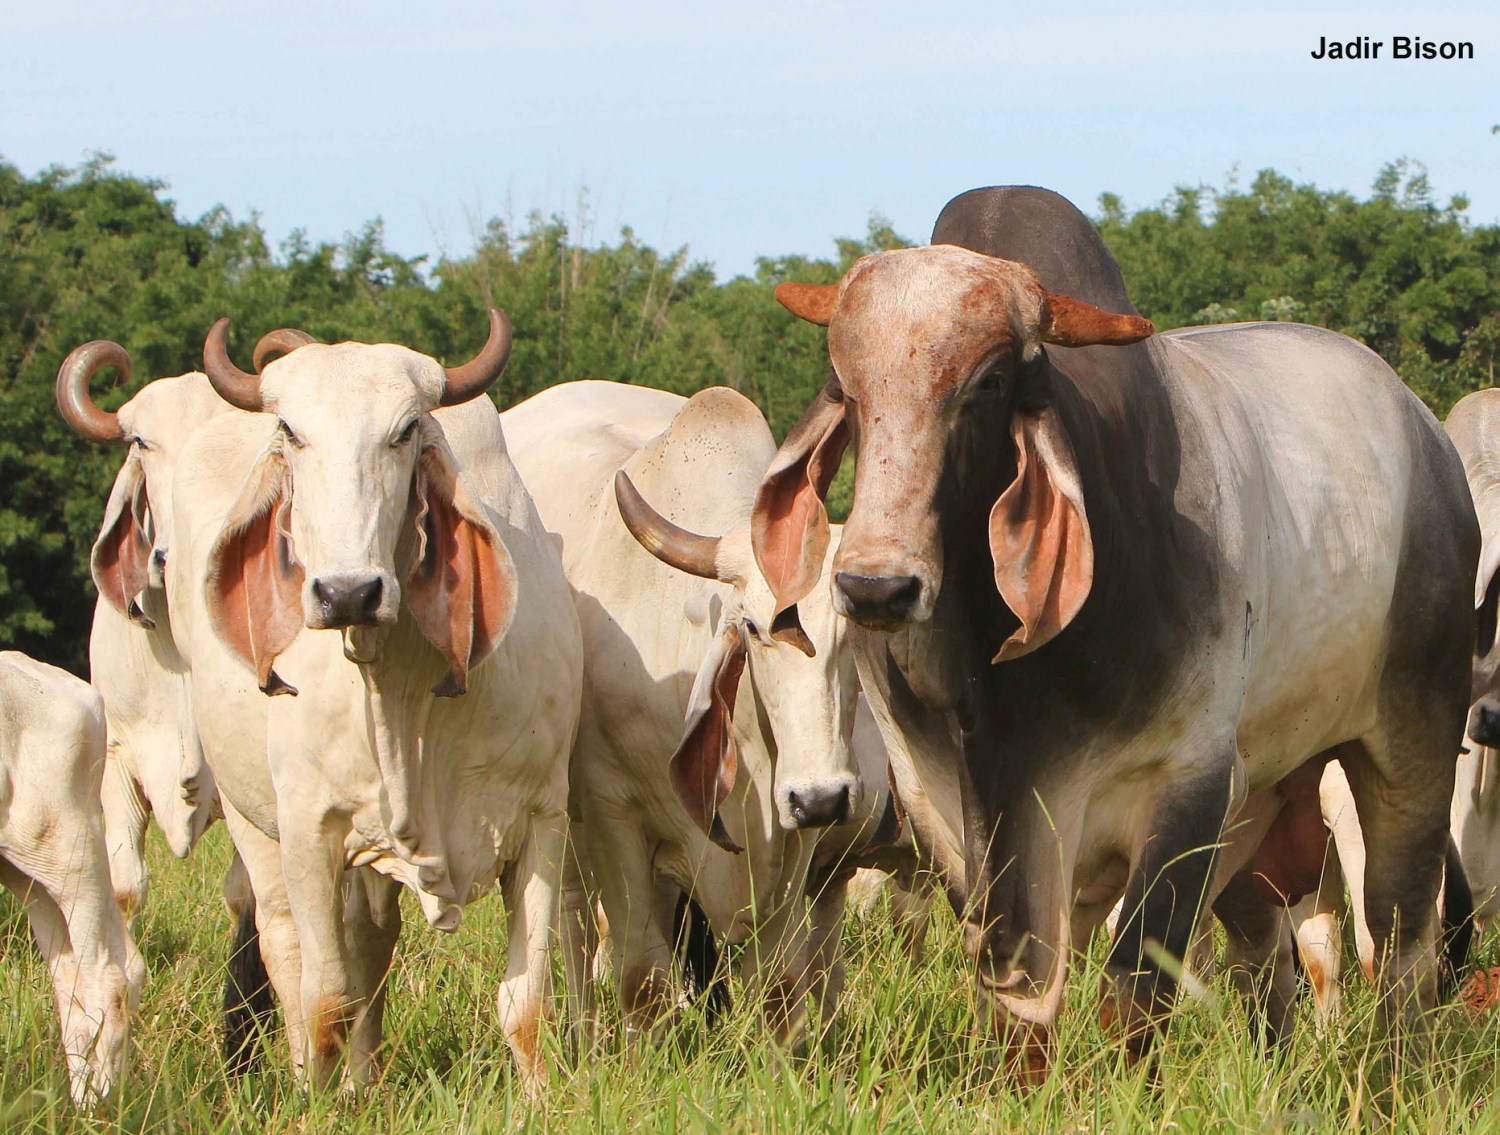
[(903, 1057)]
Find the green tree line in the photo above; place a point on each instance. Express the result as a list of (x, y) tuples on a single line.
[(90, 252)]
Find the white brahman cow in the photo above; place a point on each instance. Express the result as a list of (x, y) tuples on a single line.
[(427, 740), (1474, 427), (155, 766), (736, 812), (52, 859)]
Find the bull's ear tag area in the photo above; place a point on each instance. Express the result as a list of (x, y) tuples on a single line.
[(1039, 535)]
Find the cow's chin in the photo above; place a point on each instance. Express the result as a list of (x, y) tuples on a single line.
[(364, 645)]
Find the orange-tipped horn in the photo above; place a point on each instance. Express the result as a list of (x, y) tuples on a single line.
[(812, 302), (1073, 323)]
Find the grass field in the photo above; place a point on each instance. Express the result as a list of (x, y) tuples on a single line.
[(904, 1056)]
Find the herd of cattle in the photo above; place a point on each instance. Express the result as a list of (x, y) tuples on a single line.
[(1168, 625)]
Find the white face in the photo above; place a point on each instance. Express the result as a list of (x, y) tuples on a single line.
[(158, 422), (351, 425), (809, 703)]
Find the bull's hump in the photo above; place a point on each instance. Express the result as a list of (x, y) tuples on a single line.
[(1043, 229)]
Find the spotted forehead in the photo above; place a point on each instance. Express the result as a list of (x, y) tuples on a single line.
[(932, 312)]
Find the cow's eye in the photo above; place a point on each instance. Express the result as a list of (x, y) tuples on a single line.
[(990, 379), (406, 434), (289, 435), (140, 444), (751, 630)]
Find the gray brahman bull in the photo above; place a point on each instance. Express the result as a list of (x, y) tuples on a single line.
[(155, 767), (1119, 598)]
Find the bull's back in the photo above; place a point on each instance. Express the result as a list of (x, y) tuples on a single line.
[(1314, 467)]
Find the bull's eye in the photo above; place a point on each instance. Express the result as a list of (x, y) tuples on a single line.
[(406, 434), (140, 444), (989, 380), (289, 435)]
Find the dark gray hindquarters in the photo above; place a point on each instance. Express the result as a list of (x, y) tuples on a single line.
[(1402, 773), (249, 1004), (1042, 229)]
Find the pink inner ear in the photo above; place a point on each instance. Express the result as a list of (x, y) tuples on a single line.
[(462, 591), (255, 592), (1039, 536), (122, 555), (789, 527), (704, 766)]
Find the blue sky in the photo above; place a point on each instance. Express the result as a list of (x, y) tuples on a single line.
[(736, 129)]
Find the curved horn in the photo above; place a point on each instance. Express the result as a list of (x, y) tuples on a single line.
[(232, 384), (479, 373), (676, 547), (73, 400), (282, 341)]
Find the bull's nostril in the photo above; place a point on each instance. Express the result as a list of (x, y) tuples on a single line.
[(819, 807), (892, 596), (366, 598), (348, 604)]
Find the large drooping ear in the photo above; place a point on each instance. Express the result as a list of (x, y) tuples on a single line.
[(1039, 534), (254, 586), (789, 525), (121, 555), (462, 585), (1073, 323), (703, 767), (812, 302)]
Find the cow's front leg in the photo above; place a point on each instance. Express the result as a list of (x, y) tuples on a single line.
[(280, 950), (1164, 898), (776, 961), (372, 925), (642, 956), (825, 948), (580, 942), (531, 887), (312, 863), (126, 813), (1258, 956)]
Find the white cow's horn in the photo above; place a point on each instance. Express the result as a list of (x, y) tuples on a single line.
[(73, 400), (282, 341), (676, 547), (233, 385), (479, 373)]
